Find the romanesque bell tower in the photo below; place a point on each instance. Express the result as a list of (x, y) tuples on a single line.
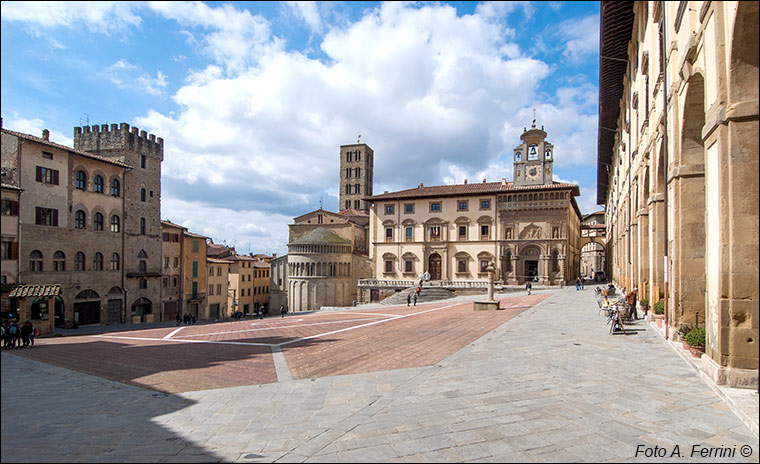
[(356, 165), (534, 158)]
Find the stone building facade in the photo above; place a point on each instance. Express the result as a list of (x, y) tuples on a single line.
[(195, 275), (528, 228), (71, 218), (218, 288), (10, 270), (172, 281), (141, 202), (678, 168)]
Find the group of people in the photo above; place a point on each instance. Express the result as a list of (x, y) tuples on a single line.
[(578, 284), (15, 336), (187, 319)]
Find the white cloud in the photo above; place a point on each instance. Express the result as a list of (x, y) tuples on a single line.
[(308, 12), (35, 127), (129, 76), (581, 37), (102, 17)]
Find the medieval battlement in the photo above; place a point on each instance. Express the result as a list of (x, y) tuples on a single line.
[(117, 137)]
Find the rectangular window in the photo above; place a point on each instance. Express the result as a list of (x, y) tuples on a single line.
[(47, 175), (388, 265), (409, 208), (462, 265), (348, 173), (195, 246), (485, 204), (174, 281), (195, 268), (388, 209), (484, 229), (462, 232), (483, 266), (435, 233), (166, 236), (218, 289), (462, 206), (142, 226), (176, 262), (10, 207), (46, 217), (47, 155), (508, 233), (166, 264), (211, 289), (409, 234), (408, 265), (143, 161), (9, 250), (435, 206), (388, 234), (165, 282), (195, 289)]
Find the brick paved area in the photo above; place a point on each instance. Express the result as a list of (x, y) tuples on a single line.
[(202, 357)]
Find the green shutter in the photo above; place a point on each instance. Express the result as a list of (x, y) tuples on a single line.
[(195, 268)]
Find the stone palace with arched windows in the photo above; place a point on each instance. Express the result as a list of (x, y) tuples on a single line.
[(529, 228)]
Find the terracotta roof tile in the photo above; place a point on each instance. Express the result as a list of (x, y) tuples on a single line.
[(469, 189)]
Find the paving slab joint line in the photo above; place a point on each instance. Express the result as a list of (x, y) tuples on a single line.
[(749, 420)]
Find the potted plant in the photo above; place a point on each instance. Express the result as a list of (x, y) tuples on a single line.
[(659, 312), (696, 340), (644, 304), (685, 329)]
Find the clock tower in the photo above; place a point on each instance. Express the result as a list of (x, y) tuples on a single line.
[(534, 158)]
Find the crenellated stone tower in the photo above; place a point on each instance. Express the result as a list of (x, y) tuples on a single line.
[(356, 166), (141, 194)]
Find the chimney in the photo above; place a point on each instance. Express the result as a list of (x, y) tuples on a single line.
[(465, 182), (503, 182), (484, 181), (46, 134), (274, 255)]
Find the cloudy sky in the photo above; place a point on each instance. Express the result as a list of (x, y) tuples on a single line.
[(254, 99)]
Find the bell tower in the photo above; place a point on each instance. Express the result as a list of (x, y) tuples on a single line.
[(533, 158), (356, 166)]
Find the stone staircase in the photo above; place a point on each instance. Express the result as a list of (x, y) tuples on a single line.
[(428, 294)]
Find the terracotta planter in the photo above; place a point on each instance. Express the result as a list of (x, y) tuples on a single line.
[(659, 318), (697, 351), (685, 345)]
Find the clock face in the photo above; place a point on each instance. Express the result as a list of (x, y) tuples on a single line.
[(533, 152), (532, 173)]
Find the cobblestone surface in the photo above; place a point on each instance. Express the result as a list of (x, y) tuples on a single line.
[(547, 385)]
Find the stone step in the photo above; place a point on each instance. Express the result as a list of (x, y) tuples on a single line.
[(428, 294)]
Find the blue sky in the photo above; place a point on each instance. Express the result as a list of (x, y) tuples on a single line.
[(254, 99)]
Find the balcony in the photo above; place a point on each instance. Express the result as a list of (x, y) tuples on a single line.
[(195, 296)]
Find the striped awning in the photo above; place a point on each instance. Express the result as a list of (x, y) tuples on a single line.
[(36, 291)]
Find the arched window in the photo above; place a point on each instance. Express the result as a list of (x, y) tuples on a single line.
[(143, 264), (79, 219), (555, 261), (97, 184), (114, 223), (142, 195), (142, 226), (59, 261), (115, 262), (79, 261), (35, 261), (115, 188), (97, 221), (81, 180), (97, 262)]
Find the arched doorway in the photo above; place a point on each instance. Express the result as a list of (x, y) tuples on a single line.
[(87, 308), (592, 263), (434, 266), (115, 305), (530, 256), (141, 308)]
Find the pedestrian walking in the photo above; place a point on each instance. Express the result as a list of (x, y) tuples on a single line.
[(26, 330), (179, 319), (577, 284), (409, 298), (528, 286), (13, 334), (282, 310), (192, 318), (419, 290), (261, 313), (35, 332), (415, 299)]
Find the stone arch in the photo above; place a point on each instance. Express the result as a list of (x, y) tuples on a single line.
[(744, 54)]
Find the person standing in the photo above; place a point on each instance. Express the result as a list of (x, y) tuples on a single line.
[(577, 283), (415, 299), (261, 313), (26, 331), (179, 320), (282, 310), (35, 332), (409, 298), (528, 286)]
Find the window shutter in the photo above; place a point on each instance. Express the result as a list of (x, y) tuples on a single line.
[(14, 208), (14, 250), (39, 173), (55, 179), (38, 215), (55, 211)]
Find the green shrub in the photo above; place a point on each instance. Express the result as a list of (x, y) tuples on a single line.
[(644, 303), (659, 307), (696, 337), (685, 328)]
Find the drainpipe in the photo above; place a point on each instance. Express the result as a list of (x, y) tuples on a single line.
[(665, 156)]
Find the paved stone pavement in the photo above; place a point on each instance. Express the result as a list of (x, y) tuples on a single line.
[(549, 385)]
